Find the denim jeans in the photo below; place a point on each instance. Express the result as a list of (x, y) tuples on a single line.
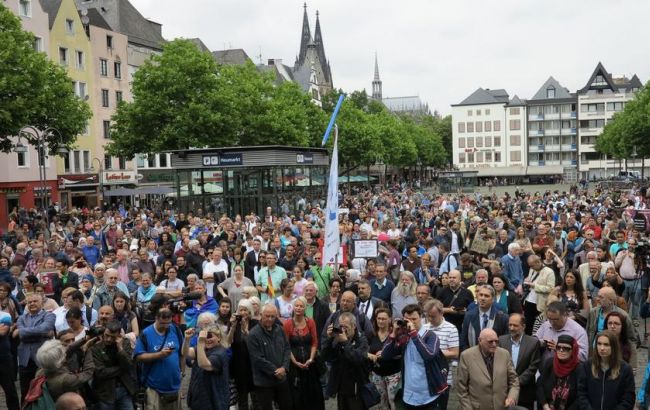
[(123, 401), (633, 296)]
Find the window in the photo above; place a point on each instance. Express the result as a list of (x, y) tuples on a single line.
[(105, 98), (80, 89), (515, 156), (66, 163), (109, 41), (122, 163), (461, 142), (470, 127), (599, 80), (615, 106), (488, 156), (478, 112), (515, 140), (514, 111), (140, 160), (162, 160), (487, 126), (496, 126), (63, 56), (151, 161), (107, 129), (470, 157), (550, 92), (488, 142), (515, 125), (497, 141), (487, 111), (479, 156), (86, 155), (479, 126), (38, 44), (117, 69), (469, 113), (479, 142), (22, 159), (69, 26), (118, 97), (25, 8), (76, 161), (108, 162), (461, 127), (497, 157), (461, 157), (600, 107), (103, 67), (470, 142), (80, 60)]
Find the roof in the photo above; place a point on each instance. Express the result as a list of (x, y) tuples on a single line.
[(252, 148), (404, 104), (51, 7), (486, 96), (200, 44), (516, 102), (236, 56), (138, 29), (96, 19), (560, 92), (600, 70)]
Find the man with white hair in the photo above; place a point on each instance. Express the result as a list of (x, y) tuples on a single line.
[(105, 294), (512, 269), (123, 266), (403, 294), (193, 258)]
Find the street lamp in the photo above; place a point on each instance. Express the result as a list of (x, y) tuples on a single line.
[(101, 179), (39, 140)]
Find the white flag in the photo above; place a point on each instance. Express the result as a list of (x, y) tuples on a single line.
[(332, 239)]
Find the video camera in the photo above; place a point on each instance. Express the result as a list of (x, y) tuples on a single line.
[(175, 303)]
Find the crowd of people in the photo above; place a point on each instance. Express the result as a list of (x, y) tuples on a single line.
[(524, 299)]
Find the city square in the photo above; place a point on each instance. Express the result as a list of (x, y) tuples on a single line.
[(323, 205)]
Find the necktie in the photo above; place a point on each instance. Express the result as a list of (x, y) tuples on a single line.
[(485, 321), (489, 363), (364, 307)]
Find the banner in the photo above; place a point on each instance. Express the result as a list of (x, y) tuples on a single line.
[(332, 239)]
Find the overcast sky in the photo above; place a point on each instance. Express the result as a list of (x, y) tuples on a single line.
[(439, 50)]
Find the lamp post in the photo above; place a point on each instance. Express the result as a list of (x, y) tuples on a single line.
[(101, 179), (38, 138)]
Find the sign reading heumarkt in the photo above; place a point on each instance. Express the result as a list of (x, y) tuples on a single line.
[(119, 177), (223, 160), (305, 158)]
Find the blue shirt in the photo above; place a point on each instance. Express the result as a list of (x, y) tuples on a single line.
[(416, 389), (164, 375), (512, 270), (515, 351)]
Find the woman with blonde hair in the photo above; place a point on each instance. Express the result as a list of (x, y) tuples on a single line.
[(605, 381)]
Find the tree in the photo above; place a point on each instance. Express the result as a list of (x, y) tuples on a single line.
[(35, 91), (182, 98)]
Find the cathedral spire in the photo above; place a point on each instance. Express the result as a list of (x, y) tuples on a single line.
[(376, 83), (305, 37), (320, 48)]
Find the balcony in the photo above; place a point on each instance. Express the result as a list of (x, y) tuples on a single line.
[(535, 133), (552, 116), (549, 147), (535, 117), (569, 131), (569, 147), (536, 148), (552, 131), (573, 114), (591, 114)]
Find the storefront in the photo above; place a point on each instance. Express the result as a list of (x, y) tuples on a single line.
[(23, 195), (79, 190), (240, 180)]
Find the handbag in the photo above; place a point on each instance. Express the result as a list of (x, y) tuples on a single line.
[(370, 395)]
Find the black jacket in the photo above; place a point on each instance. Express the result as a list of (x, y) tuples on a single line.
[(546, 383), (321, 314), (268, 351), (596, 393), (348, 372), (111, 366)]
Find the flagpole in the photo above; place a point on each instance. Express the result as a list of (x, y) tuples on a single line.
[(332, 240)]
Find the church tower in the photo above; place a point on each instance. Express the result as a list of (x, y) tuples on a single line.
[(320, 48), (376, 83), (305, 38)]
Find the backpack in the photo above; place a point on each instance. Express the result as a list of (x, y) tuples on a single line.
[(38, 396)]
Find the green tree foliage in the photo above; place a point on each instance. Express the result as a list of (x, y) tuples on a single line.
[(182, 98), (628, 129), (34, 90)]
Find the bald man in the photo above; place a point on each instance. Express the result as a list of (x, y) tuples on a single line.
[(596, 319), (486, 375), (70, 401)]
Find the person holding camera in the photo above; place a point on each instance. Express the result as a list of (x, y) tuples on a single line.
[(113, 383), (346, 349), (424, 369), (201, 305), (158, 348)]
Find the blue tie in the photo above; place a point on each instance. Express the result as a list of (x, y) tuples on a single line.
[(485, 321)]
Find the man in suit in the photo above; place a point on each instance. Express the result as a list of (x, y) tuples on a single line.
[(485, 316), (486, 378), (252, 259), (526, 356), (367, 304)]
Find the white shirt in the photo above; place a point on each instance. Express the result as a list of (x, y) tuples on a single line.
[(60, 324), (448, 337)]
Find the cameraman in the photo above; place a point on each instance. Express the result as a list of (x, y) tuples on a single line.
[(347, 349), (204, 304), (159, 349), (113, 382)]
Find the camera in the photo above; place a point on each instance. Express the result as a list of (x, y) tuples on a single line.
[(174, 303), (337, 330), (95, 331), (238, 317), (401, 323)]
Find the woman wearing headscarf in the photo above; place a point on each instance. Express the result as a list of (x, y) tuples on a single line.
[(557, 386)]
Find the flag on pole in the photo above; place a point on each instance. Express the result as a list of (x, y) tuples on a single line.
[(332, 239)]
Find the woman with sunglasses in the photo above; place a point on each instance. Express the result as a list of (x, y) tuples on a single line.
[(210, 380), (557, 386), (606, 381)]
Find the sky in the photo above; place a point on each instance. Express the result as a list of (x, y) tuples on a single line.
[(441, 51)]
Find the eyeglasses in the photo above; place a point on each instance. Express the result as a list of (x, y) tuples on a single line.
[(613, 324), (563, 348)]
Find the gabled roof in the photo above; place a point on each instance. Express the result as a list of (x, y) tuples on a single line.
[(635, 82), (51, 7), (236, 56), (486, 96), (600, 70), (560, 92), (516, 102), (96, 19), (138, 29), (200, 44)]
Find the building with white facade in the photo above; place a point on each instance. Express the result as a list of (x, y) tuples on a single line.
[(602, 97), (489, 134)]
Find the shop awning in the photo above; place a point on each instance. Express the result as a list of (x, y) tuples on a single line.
[(546, 170)]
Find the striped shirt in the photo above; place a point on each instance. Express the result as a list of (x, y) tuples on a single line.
[(448, 337)]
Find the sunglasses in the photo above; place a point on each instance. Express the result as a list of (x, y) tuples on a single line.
[(563, 348)]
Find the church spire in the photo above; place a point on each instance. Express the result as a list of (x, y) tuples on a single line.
[(320, 49), (376, 83), (305, 37)]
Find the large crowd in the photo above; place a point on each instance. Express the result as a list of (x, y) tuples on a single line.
[(525, 299)]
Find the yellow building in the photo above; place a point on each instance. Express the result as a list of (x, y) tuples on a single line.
[(70, 47)]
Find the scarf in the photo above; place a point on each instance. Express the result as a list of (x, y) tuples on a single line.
[(145, 295), (564, 369)]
